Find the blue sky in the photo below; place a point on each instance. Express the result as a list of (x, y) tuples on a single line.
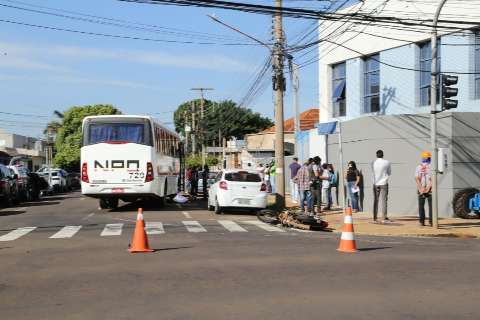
[(46, 70)]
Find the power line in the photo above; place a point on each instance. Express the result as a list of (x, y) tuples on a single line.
[(107, 35)]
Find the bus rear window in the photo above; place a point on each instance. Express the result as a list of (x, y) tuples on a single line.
[(117, 133), (243, 176)]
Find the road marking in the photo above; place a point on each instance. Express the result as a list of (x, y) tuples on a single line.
[(82, 199), (88, 216), (194, 226), (127, 220), (17, 233), (187, 215), (66, 232), (112, 229), (231, 226), (264, 226), (154, 228)]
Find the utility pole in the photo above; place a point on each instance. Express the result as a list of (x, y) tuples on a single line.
[(194, 129), (279, 88), (202, 114), (433, 116)]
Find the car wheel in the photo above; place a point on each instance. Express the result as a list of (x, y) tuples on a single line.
[(104, 204), (217, 208), (209, 206)]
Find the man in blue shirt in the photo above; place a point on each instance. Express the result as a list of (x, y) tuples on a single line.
[(294, 167)]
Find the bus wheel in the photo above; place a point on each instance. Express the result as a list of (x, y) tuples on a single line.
[(113, 203)]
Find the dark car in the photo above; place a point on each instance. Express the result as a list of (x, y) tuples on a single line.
[(22, 181), (73, 180), (8, 186)]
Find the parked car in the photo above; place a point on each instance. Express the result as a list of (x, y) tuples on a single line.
[(58, 181), (22, 182), (73, 180), (237, 189), (8, 186)]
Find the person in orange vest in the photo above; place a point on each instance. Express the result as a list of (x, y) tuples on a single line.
[(423, 179)]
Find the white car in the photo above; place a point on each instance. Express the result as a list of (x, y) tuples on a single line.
[(59, 179), (237, 189)]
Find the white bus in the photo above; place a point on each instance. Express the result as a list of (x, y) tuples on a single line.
[(128, 157)]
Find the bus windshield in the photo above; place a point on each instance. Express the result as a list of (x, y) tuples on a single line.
[(113, 132)]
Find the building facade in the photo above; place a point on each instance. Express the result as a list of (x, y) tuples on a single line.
[(375, 80), (17, 145)]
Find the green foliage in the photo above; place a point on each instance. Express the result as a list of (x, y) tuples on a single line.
[(69, 134), (196, 161), (226, 116)]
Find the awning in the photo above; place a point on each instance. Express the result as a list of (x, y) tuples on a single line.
[(327, 127), (339, 92)]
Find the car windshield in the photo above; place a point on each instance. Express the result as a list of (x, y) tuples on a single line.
[(243, 176)]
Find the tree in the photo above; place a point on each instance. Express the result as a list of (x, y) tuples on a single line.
[(225, 116), (69, 135)]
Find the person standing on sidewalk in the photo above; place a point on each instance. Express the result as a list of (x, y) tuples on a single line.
[(423, 179), (381, 174), (353, 181), (294, 167), (304, 184), (316, 186), (327, 197), (273, 170)]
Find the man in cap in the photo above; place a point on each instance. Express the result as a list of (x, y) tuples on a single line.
[(423, 179)]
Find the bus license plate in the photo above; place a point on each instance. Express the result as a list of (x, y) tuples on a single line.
[(118, 190)]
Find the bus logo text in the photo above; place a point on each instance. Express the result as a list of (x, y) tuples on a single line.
[(117, 164)]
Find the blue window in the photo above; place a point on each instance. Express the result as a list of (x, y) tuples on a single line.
[(477, 64), (339, 92), (116, 133), (372, 84), (425, 74)]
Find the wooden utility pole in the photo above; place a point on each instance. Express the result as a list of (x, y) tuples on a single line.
[(202, 114), (279, 88)]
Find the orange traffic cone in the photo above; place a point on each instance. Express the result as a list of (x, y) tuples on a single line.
[(140, 240), (347, 240)]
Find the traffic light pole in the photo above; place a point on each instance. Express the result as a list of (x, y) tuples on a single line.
[(433, 116)]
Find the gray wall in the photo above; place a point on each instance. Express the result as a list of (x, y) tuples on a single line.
[(403, 138)]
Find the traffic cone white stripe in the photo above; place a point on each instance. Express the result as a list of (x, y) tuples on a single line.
[(348, 219), (347, 236)]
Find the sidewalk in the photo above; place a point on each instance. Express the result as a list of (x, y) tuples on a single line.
[(406, 226)]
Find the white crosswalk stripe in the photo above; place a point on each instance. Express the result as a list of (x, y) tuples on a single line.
[(154, 228), (66, 232), (194, 226), (17, 233), (264, 226), (112, 229), (231, 226)]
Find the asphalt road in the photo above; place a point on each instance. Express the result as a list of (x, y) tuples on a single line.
[(212, 269)]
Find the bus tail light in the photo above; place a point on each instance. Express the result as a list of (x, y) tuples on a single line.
[(149, 176), (84, 173), (263, 187), (223, 185)]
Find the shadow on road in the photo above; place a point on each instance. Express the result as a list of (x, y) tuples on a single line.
[(11, 212), (172, 248), (374, 248), (39, 203)]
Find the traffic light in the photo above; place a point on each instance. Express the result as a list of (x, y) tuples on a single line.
[(448, 92)]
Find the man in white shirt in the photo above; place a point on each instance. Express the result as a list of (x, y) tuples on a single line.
[(381, 173)]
